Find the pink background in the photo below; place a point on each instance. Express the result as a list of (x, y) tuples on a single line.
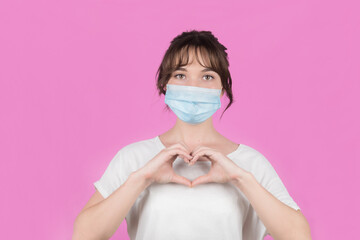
[(78, 83)]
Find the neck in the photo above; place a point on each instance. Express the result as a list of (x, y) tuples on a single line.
[(193, 135)]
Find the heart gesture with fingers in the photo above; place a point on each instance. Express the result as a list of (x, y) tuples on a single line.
[(222, 170)]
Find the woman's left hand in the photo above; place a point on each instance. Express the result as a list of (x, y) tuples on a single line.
[(222, 170)]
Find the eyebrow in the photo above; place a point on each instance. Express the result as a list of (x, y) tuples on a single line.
[(204, 70)]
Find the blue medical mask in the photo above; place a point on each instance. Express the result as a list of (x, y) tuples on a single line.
[(192, 104)]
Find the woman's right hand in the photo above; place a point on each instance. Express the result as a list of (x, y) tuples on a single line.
[(159, 169)]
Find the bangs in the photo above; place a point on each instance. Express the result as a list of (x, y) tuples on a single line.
[(181, 58)]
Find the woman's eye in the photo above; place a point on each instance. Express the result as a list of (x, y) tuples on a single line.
[(176, 76), (209, 76), (181, 76)]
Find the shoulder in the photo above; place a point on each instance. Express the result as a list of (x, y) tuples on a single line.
[(135, 154), (140, 146), (254, 161), (250, 155)]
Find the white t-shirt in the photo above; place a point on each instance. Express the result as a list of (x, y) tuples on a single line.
[(207, 211)]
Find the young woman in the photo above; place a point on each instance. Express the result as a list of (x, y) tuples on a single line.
[(191, 182)]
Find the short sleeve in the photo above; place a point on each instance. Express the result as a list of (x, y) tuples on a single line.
[(277, 188), (114, 175), (270, 180)]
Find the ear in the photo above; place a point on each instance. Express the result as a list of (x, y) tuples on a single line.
[(165, 85)]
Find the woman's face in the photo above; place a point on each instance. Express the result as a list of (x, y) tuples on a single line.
[(196, 75)]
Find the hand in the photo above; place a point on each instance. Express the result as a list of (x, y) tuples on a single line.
[(159, 169), (222, 170)]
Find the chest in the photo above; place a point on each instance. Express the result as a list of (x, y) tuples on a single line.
[(201, 203)]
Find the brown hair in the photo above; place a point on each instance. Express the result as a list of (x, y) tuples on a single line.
[(210, 49)]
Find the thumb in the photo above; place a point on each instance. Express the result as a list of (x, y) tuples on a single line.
[(201, 180), (180, 179)]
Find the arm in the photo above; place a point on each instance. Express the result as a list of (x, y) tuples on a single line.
[(101, 220), (282, 221)]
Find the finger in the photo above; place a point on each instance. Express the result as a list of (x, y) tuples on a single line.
[(193, 160), (181, 145), (181, 180), (178, 151), (207, 152), (201, 149), (197, 156), (203, 159), (186, 158), (196, 150), (200, 180)]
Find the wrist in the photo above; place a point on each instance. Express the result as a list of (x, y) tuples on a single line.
[(242, 179), (143, 178)]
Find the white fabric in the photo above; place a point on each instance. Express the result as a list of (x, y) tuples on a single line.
[(208, 211)]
